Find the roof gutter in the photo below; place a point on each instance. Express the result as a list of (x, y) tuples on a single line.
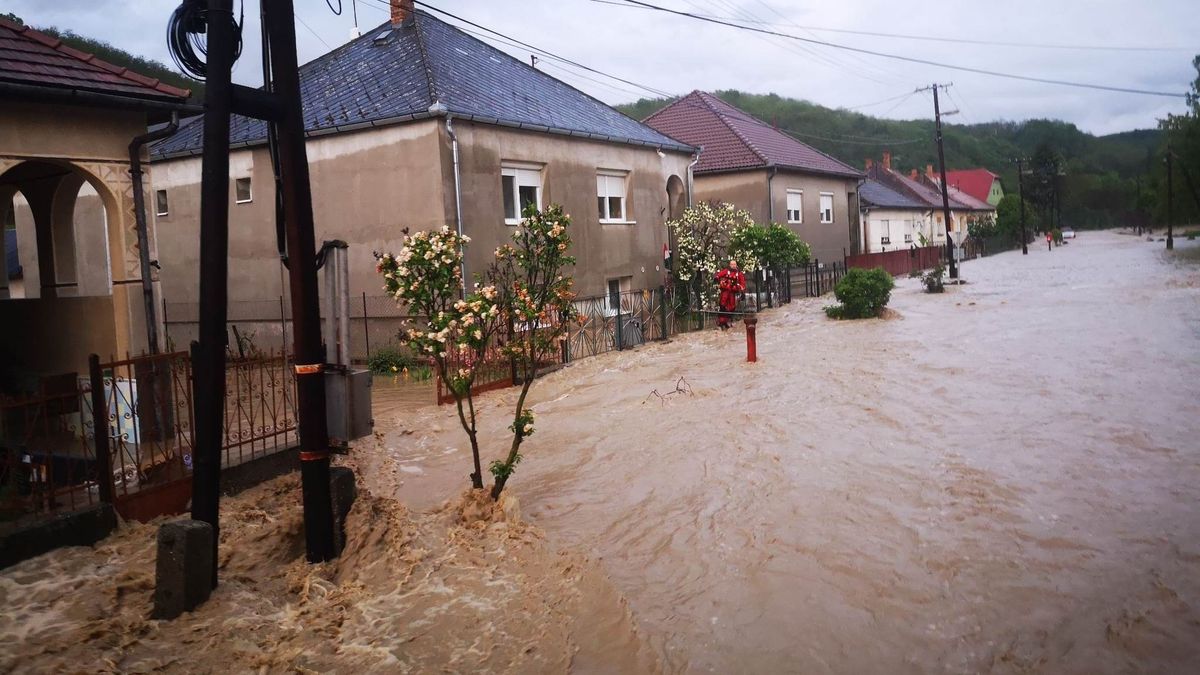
[(85, 97), (143, 235), (401, 119)]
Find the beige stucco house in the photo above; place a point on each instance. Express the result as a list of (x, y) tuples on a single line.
[(418, 125), (73, 285), (749, 163)]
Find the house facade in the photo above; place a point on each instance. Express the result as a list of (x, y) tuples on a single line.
[(775, 177), (892, 220), (924, 188), (72, 279), (417, 125)]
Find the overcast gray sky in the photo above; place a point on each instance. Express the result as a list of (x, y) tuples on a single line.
[(677, 54)]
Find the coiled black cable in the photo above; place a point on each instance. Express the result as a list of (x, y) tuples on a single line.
[(185, 37)]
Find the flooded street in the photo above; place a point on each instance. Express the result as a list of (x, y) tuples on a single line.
[(1004, 478), (1001, 479)]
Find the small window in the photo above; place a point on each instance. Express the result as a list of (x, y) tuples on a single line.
[(160, 202), (795, 206), (885, 231), (617, 288), (610, 197), (522, 186), (826, 207), (242, 188)]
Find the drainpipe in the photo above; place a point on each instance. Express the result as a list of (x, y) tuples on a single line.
[(691, 199), (771, 195), (439, 108), (139, 214), (858, 211)]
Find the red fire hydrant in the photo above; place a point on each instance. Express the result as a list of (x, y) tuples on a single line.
[(751, 344)]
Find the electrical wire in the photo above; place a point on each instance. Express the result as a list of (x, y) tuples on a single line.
[(314, 33), (186, 29), (899, 57), (931, 38), (336, 12)]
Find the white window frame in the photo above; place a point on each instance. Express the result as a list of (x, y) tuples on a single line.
[(624, 286), (523, 175), (825, 221), (799, 210), (885, 235), (605, 180), (249, 190), (161, 208)]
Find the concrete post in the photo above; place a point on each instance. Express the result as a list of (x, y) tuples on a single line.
[(183, 570)]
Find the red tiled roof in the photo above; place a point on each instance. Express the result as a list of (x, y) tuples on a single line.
[(31, 58), (974, 182), (733, 139)]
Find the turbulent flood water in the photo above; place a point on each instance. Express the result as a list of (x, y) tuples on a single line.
[(1004, 478)]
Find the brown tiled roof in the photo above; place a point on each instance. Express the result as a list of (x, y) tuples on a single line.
[(35, 59), (733, 139)]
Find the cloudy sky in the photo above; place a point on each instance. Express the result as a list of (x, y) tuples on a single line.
[(1070, 40)]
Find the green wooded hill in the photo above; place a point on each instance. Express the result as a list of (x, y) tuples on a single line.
[(1103, 174)]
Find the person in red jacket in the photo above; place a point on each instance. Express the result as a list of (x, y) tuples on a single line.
[(730, 282)]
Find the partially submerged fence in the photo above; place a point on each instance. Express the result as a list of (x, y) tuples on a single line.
[(57, 455), (900, 262)]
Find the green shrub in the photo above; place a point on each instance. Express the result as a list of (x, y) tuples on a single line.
[(389, 360), (933, 280), (863, 294)]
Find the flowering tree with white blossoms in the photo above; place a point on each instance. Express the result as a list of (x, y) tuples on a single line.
[(523, 308), (702, 236)]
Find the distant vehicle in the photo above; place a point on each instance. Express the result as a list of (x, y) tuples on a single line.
[(1068, 233)]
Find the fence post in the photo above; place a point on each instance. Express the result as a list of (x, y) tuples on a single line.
[(104, 477), (620, 346), (366, 329), (662, 311), (757, 291)]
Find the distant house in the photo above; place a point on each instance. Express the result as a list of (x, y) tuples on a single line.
[(418, 125), (749, 163), (925, 189), (891, 219), (980, 184)]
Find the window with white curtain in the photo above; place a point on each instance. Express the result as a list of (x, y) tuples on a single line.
[(610, 197), (826, 207), (522, 186), (795, 206)]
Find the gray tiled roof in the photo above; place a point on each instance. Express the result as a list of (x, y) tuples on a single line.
[(874, 193), (426, 60)]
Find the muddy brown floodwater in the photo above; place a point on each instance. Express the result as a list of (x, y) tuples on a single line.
[(1004, 478)]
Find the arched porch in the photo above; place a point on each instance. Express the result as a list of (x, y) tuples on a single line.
[(79, 289)]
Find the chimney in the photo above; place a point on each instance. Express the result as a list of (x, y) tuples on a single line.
[(887, 159), (913, 174), (402, 10), (868, 162), (929, 171)]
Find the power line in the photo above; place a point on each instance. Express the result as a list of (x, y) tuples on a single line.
[(874, 103), (929, 38), (656, 92), (514, 42), (910, 59), (302, 23)]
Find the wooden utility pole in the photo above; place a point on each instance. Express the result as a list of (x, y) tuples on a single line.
[(279, 104), (1170, 205), (302, 268), (1021, 199), (208, 353), (937, 118)]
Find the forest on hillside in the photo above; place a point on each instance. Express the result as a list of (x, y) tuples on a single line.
[(1103, 180)]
